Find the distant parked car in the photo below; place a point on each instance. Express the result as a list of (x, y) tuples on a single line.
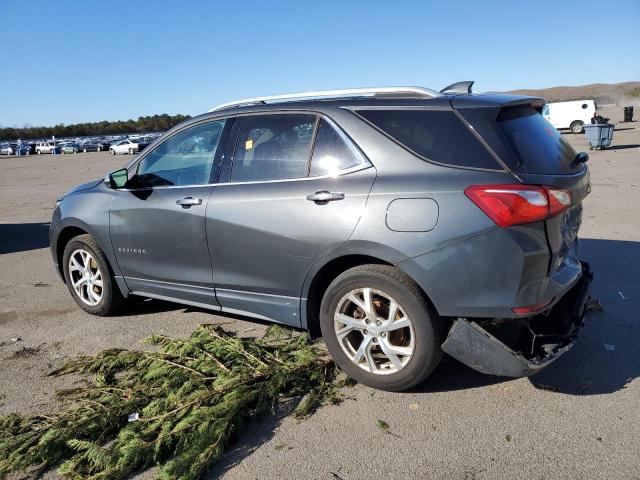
[(29, 148), (127, 146), (8, 148), (47, 146), (71, 148), (90, 146), (103, 144)]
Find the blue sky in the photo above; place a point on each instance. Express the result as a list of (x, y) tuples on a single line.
[(72, 61)]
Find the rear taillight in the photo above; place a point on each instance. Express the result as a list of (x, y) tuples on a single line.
[(529, 309), (510, 205)]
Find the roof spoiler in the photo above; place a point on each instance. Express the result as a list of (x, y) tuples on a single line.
[(458, 87)]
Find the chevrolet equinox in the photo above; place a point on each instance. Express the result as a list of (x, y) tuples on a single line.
[(397, 223)]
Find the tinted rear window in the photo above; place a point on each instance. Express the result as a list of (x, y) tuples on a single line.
[(540, 148), (439, 136)]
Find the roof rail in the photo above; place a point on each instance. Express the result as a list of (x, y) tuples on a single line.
[(347, 92)]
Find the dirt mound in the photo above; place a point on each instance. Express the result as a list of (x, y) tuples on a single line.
[(627, 93)]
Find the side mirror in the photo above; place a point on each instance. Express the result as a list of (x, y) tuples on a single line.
[(117, 179)]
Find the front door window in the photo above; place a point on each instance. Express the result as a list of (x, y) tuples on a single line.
[(187, 158)]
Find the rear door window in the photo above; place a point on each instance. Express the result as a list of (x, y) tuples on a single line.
[(540, 148), (333, 152), (437, 136), (273, 147)]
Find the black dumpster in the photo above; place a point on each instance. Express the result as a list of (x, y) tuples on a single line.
[(628, 114)]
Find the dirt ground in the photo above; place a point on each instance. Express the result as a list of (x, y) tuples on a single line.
[(580, 418)]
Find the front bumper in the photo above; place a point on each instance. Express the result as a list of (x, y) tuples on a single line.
[(539, 340)]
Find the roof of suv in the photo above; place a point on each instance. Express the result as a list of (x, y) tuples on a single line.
[(375, 97)]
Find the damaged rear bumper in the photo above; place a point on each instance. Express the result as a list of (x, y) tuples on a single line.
[(521, 347)]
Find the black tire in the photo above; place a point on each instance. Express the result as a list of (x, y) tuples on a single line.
[(38, 152), (85, 150), (426, 324), (576, 127), (112, 300), (112, 151), (131, 151)]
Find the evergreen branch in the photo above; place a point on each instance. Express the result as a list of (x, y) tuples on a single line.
[(190, 398)]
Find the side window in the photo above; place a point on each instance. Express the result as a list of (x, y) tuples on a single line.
[(545, 109), (273, 147), (184, 159), (436, 135), (333, 152)]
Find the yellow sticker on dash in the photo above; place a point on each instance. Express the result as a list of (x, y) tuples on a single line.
[(248, 145)]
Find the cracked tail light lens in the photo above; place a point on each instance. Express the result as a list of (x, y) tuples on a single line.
[(509, 205)]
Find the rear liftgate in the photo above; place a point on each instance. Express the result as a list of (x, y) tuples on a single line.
[(522, 346)]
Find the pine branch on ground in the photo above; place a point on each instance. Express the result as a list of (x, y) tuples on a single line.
[(176, 408)]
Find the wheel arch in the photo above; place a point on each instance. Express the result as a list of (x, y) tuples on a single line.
[(326, 271), (73, 227), (64, 237)]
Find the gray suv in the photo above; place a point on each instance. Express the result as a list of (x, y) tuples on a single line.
[(395, 223)]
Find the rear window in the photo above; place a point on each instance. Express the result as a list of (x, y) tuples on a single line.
[(439, 136), (540, 148)]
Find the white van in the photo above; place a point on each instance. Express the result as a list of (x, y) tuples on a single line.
[(570, 115)]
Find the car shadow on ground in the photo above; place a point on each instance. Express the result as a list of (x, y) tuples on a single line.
[(623, 147), (623, 129), (261, 431), (22, 237)]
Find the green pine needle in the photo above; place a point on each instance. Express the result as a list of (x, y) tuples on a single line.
[(176, 408)]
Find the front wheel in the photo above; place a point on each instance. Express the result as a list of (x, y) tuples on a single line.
[(131, 151), (111, 151), (85, 150), (89, 277), (379, 328), (577, 127)]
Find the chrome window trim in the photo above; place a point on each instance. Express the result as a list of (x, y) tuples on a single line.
[(356, 168), (318, 114)]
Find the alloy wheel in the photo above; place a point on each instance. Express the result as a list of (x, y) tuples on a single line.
[(374, 331), (86, 277)]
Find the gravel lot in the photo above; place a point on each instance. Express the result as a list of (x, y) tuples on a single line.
[(580, 418)]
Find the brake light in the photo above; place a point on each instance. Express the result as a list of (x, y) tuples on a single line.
[(509, 205)]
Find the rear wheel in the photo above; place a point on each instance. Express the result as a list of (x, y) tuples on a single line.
[(38, 152), (131, 151), (111, 151), (89, 277), (576, 127), (85, 150), (379, 328)]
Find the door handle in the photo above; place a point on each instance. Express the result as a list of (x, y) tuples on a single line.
[(323, 196), (189, 202)]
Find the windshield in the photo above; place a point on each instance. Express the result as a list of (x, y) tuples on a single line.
[(539, 146)]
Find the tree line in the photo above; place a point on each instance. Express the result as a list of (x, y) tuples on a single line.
[(155, 123)]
